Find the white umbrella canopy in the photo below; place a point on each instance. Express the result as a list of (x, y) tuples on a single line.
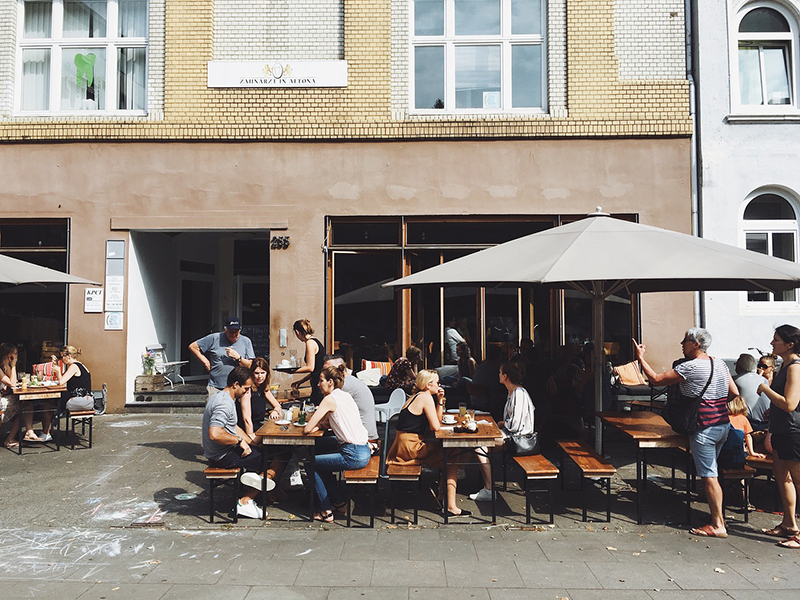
[(17, 272), (601, 255)]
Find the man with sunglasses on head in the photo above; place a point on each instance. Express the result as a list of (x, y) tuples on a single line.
[(748, 380)]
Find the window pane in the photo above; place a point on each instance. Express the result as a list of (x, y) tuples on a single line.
[(132, 18), (478, 77), (749, 76), (526, 16), (83, 74), (757, 242), (768, 206), (477, 17), (38, 19), (84, 18), (429, 17), (776, 73), (131, 84), (758, 296), (429, 77), (361, 233), (526, 76), (432, 233), (763, 20), (783, 245), (35, 79), (787, 296)]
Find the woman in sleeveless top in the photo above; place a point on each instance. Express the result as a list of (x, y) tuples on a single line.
[(709, 376), (784, 427), (340, 414), (422, 414), (9, 403), (315, 353)]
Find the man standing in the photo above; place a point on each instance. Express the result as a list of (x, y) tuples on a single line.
[(452, 337), (225, 444), (221, 352), (360, 393)]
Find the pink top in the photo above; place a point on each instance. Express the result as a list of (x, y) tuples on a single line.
[(345, 421)]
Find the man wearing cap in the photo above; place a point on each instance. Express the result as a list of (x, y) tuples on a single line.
[(221, 352)]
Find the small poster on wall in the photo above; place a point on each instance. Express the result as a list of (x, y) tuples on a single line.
[(93, 300), (114, 321)]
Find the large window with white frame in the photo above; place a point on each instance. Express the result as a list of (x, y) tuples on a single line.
[(770, 227), (766, 56), (81, 56), (478, 55)]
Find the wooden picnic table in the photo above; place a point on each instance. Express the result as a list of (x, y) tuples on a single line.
[(647, 430), (35, 393)]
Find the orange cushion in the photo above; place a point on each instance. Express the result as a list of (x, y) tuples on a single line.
[(629, 374), (45, 371), (385, 367)]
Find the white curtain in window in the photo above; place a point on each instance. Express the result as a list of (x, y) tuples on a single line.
[(85, 18), (38, 19), (131, 70), (36, 79), (132, 18), (83, 85)]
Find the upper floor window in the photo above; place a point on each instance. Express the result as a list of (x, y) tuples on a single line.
[(766, 56), (478, 55), (770, 227), (82, 56)]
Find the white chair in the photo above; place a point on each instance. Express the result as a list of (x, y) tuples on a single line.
[(384, 412), (165, 368)]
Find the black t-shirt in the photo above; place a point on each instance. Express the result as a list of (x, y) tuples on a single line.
[(781, 421)]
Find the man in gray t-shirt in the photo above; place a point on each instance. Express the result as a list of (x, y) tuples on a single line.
[(360, 393), (221, 352), (747, 380)]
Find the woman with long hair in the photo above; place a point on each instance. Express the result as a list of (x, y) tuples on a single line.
[(315, 352), (784, 427), (8, 402), (252, 408)]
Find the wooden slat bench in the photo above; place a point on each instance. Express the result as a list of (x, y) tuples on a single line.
[(365, 476), (82, 418), (218, 476), (537, 468), (745, 474), (404, 473), (592, 465)]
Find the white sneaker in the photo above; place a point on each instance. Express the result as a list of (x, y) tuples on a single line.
[(254, 480), (249, 510), (482, 495), (46, 437)]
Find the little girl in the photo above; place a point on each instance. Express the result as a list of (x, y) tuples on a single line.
[(737, 413)]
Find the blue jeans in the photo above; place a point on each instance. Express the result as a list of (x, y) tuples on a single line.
[(349, 456), (706, 445)]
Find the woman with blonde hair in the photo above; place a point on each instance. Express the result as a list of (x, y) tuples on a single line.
[(8, 402), (421, 415), (314, 358)]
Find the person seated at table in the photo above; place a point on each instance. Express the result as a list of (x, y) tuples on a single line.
[(339, 412), (737, 413), (359, 391), (747, 380), (517, 421), (9, 403), (466, 367), (404, 371), (421, 415), (225, 444)]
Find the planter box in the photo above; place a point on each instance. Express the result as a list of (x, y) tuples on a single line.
[(149, 383)]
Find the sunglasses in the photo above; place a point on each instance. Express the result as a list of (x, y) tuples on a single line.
[(763, 366)]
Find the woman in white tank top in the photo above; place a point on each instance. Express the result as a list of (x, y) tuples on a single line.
[(344, 420)]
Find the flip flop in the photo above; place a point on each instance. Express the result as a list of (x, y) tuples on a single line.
[(325, 517), (11, 445), (780, 531), (793, 543), (32, 438), (706, 531)]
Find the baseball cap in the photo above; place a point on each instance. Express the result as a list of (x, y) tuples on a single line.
[(233, 323)]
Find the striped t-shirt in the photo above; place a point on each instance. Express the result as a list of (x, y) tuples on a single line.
[(714, 407)]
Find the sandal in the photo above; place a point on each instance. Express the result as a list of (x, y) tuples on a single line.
[(324, 516), (781, 531), (793, 543), (31, 437), (339, 508), (707, 531), (11, 444)]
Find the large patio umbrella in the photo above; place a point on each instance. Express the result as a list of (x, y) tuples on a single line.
[(17, 272), (600, 255)]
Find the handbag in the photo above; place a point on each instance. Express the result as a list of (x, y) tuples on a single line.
[(681, 411), (523, 445)]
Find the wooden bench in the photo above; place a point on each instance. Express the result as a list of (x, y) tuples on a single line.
[(592, 465), (742, 474), (404, 473), (537, 468), (218, 476), (82, 418), (365, 476)]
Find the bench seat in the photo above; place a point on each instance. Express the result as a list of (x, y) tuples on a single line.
[(592, 465), (536, 468), (217, 476)]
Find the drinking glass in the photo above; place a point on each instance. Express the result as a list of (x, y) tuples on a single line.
[(462, 409)]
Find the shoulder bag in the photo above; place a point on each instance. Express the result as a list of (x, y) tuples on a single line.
[(523, 445), (681, 411)]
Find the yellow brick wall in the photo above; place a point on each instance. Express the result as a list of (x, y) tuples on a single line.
[(599, 103)]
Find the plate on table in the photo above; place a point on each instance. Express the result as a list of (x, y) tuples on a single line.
[(298, 424), (282, 422)]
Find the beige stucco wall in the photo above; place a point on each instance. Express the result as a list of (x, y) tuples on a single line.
[(242, 185)]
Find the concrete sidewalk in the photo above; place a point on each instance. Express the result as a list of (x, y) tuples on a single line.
[(128, 519)]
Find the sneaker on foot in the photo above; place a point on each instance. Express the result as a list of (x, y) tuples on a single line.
[(46, 437), (254, 480), (249, 510), (482, 495)]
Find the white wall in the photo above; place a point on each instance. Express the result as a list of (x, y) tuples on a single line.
[(738, 158)]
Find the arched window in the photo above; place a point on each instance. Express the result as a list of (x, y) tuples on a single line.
[(766, 40), (770, 227)]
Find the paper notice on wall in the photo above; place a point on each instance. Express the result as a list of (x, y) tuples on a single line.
[(93, 300), (113, 321), (115, 285)]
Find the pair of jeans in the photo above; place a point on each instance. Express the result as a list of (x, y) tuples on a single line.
[(706, 445), (349, 456)]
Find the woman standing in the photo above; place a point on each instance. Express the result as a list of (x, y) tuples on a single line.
[(784, 427), (8, 402), (353, 452), (702, 374), (315, 352), (421, 414)]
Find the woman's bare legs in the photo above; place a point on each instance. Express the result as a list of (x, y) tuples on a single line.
[(787, 490)]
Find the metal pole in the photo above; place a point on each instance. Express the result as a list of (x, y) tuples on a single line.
[(599, 360)]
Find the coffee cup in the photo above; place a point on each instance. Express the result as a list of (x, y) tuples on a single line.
[(449, 419)]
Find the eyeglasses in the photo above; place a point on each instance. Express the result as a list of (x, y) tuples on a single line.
[(763, 366)]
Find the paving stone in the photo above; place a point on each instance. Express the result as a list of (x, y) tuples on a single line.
[(484, 574), (692, 595), (251, 570), (604, 595), (129, 591), (705, 576), (443, 593), (202, 592), (387, 548), (320, 548), (413, 573), (553, 574), (443, 550), (621, 576), (187, 571), (509, 550), (529, 594), (588, 549), (368, 593), (769, 576), (335, 573), (759, 595), (46, 590), (270, 592)]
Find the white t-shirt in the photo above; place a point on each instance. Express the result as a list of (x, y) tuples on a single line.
[(345, 421)]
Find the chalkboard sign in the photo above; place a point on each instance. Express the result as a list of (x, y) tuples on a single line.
[(259, 335)]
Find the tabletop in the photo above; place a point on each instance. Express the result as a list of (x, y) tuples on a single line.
[(292, 435), (644, 427), (488, 434), (39, 392)]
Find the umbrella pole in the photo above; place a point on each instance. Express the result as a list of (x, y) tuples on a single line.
[(599, 360)]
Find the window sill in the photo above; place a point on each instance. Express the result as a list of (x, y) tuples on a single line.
[(782, 118)]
